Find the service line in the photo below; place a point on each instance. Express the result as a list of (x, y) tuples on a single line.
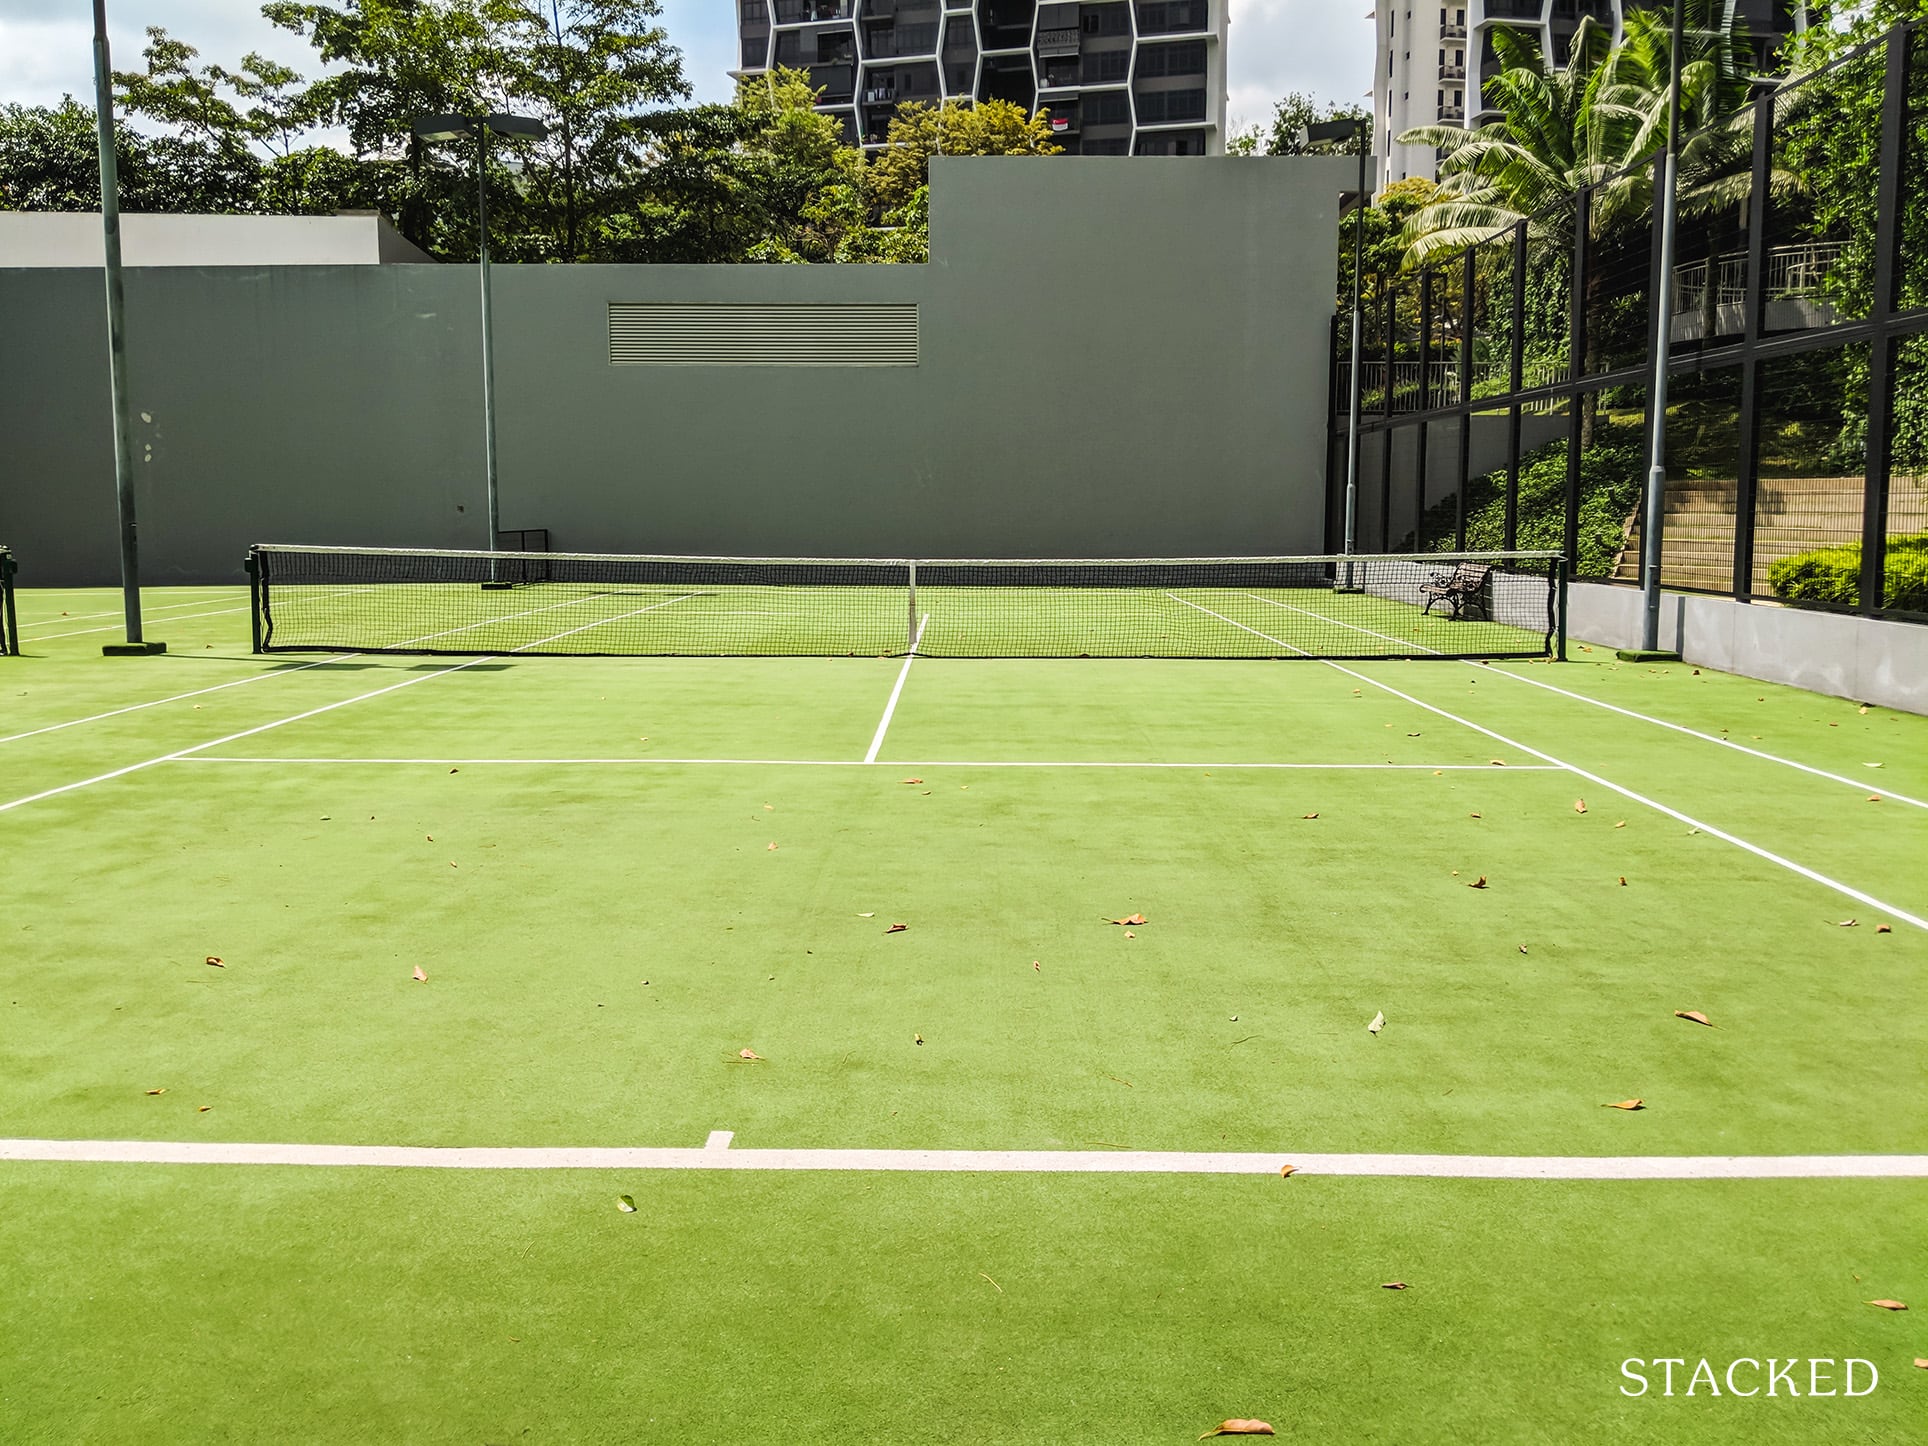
[(870, 763), (717, 1154)]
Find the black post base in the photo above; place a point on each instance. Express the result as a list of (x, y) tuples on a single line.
[(133, 650), (1643, 655)]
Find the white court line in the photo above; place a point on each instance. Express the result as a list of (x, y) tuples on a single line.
[(116, 627), (883, 725), (281, 672), (717, 1155), (891, 763), (325, 708), (1858, 783), (1707, 828), (117, 612)]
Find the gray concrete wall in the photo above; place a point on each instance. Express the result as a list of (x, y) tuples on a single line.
[(1865, 659), (1119, 357)]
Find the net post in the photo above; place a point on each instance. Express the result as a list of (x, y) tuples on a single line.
[(253, 565), (1560, 571), (910, 622), (9, 619)]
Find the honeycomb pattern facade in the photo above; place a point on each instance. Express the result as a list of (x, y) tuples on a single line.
[(1118, 78)]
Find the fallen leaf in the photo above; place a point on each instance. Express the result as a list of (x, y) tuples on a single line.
[(749, 1054), (1037, 967), (1579, 805), (1499, 762), (1395, 1285), (1864, 707), (161, 1091), (772, 848), (769, 808), (455, 770), (1474, 815), (1128, 919), (1309, 815), (203, 1109), (1871, 765), (1847, 924), (1522, 948), (420, 977), (1478, 883), (1888, 1304), (913, 780), (1884, 929), (1874, 798), (1285, 1170), (994, 1285), (1626, 1105), (1438, 773), (1621, 824), (1240, 1427), (215, 960), (871, 915), (625, 1204), (917, 1039), (1623, 881), (1695, 1015), (1130, 935), (896, 928), (1378, 1023)]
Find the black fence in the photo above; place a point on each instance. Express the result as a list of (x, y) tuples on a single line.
[(1505, 389)]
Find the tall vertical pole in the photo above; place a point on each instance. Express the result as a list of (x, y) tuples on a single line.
[(488, 339), (1663, 345), (1358, 330), (117, 342)]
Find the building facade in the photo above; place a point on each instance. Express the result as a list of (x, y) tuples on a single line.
[(1431, 59), (1118, 78)]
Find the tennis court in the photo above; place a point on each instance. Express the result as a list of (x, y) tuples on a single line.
[(1011, 1172)]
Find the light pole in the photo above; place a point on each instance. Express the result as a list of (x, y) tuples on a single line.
[(1339, 130), (511, 127), (136, 645), (1656, 514)]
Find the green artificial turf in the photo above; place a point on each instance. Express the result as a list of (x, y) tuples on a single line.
[(200, 1304), (601, 937)]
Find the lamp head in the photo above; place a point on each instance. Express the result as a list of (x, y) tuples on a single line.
[(444, 127)]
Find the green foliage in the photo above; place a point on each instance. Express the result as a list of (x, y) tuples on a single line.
[(1292, 113), (1610, 486), (918, 131), (1832, 575), (50, 161)]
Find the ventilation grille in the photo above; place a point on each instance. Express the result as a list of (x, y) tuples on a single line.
[(725, 334)]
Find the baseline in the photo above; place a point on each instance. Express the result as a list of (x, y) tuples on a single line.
[(717, 1155), (1805, 872), (870, 763)]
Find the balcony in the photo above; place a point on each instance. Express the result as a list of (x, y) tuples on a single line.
[(791, 12), (1063, 119), (1452, 32), (1452, 115), (1058, 42), (1452, 72)]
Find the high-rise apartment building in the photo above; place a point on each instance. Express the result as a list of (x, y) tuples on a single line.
[(1431, 60), (1119, 78)]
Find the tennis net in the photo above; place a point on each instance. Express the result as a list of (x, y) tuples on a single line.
[(348, 599), (9, 619)]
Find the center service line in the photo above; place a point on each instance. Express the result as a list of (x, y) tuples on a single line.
[(883, 724), (716, 1154)]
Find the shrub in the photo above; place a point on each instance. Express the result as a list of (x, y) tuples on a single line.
[(1832, 575)]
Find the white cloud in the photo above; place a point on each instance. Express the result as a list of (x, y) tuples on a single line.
[(1273, 46)]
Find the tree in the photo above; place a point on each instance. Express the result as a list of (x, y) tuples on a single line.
[(589, 68), (50, 161), (918, 131), (1296, 110), (177, 93)]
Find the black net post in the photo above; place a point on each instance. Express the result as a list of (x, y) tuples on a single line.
[(9, 619)]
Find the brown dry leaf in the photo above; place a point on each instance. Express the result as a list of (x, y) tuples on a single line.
[(1395, 1285), (1499, 762), (1309, 815), (1130, 935), (1921, 1363), (203, 1109), (1847, 924), (161, 1091), (772, 848), (1474, 815), (1579, 805), (1884, 928), (1036, 967), (896, 928), (1621, 824), (420, 977), (769, 808), (1864, 708), (1478, 883), (1626, 1105), (1128, 919), (1623, 881), (1287, 1170), (917, 1039), (1888, 1304), (1240, 1426), (455, 770), (871, 915), (1522, 948), (1695, 1015), (1378, 1023), (913, 780), (749, 1054), (215, 960)]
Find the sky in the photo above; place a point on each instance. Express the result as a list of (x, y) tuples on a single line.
[(1321, 46)]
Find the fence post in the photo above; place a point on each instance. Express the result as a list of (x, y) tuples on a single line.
[(1466, 303), (1576, 373), (1516, 377), (1881, 380), (1747, 473)]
